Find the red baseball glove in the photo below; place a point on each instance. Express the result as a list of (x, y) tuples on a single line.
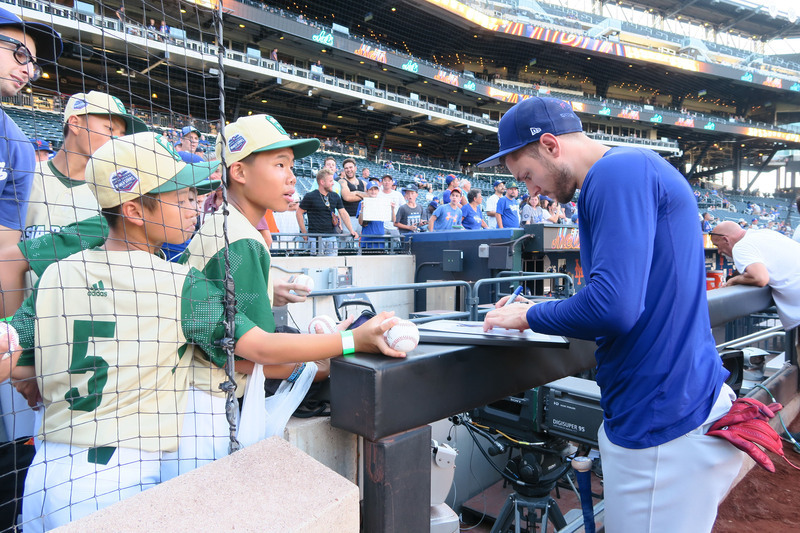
[(745, 426)]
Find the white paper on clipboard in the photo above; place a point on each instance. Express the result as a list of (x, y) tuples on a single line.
[(469, 329), (377, 209)]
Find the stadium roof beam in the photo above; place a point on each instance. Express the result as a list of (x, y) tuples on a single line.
[(761, 168), (680, 8), (736, 21)]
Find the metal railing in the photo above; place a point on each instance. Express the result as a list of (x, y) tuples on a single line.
[(471, 289)]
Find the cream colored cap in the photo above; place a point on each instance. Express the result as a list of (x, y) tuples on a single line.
[(131, 166), (260, 133)]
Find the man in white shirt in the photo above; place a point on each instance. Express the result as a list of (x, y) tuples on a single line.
[(491, 202), (394, 195), (764, 257)]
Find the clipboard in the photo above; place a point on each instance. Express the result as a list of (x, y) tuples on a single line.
[(468, 332)]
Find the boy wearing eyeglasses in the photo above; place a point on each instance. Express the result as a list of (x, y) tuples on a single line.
[(22, 45)]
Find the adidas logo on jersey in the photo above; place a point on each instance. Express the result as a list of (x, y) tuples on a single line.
[(97, 289)]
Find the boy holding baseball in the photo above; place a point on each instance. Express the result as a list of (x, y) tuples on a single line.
[(106, 330), (260, 156)]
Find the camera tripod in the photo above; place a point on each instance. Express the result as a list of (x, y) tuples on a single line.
[(538, 471)]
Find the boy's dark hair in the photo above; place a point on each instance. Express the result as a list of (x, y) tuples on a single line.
[(472, 194), (113, 216)]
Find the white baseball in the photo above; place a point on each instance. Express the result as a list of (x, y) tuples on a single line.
[(13, 337), (305, 281), (403, 336), (325, 322)]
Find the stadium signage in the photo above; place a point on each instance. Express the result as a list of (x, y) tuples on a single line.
[(367, 51), (505, 96), (773, 82), (470, 85), (447, 77), (323, 38), (795, 87), (410, 66), (605, 111), (566, 239), (658, 119), (758, 132), (710, 126)]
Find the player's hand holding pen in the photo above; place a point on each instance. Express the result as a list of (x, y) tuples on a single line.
[(509, 313)]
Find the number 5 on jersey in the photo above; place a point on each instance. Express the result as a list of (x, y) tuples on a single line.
[(82, 331)]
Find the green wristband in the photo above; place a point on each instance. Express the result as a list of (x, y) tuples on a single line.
[(348, 343)]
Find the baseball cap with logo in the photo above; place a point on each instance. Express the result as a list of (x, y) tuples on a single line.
[(128, 167), (528, 120), (186, 130), (41, 144), (48, 41), (260, 133), (98, 103), (373, 185), (497, 182)]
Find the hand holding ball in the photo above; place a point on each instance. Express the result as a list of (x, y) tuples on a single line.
[(326, 323), (8, 331), (307, 282), (403, 336)]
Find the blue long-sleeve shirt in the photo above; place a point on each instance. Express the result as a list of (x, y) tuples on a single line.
[(644, 302)]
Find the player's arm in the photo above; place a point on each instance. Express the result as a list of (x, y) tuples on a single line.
[(499, 220), (755, 274), (347, 194), (276, 348), (13, 266), (346, 220), (301, 223), (24, 374), (9, 236)]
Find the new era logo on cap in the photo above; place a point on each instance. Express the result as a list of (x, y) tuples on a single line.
[(528, 120)]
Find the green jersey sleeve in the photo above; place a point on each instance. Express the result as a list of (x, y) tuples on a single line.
[(24, 321), (249, 264), (47, 249), (202, 315)]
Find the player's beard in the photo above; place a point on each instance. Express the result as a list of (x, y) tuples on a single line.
[(563, 185)]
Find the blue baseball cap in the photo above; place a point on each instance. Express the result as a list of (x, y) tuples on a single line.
[(497, 182), (41, 144), (186, 130), (528, 120), (48, 41), (449, 179), (373, 185)]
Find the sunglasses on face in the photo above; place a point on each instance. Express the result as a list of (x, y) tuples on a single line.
[(23, 56)]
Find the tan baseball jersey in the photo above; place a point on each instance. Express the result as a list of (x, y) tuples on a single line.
[(249, 264), (107, 332), (56, 201)]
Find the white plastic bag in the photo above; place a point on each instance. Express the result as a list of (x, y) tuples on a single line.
[(262, 418), (253, 419), (286, 400)]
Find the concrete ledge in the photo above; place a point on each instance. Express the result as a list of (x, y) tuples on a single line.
[(269, 486)]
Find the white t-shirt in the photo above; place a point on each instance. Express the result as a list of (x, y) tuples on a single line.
[(781, 256), (796, 235), (287, 220), (491, 205), (398, 200)]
